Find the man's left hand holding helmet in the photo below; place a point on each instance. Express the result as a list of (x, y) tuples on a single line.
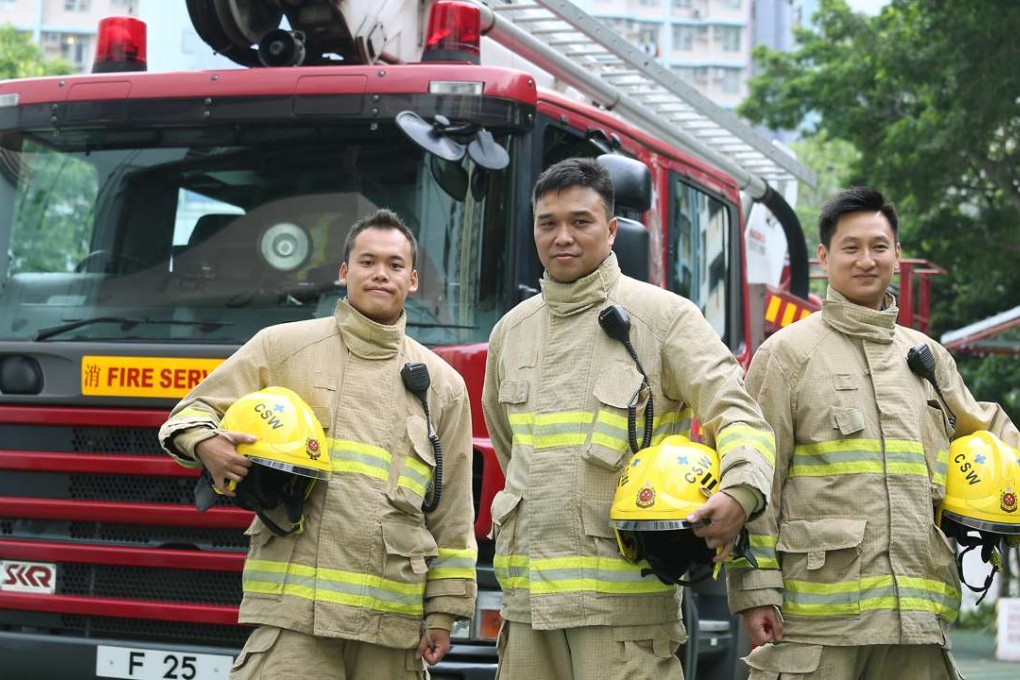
[(221, 460)]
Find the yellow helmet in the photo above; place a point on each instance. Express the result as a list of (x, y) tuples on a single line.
[(290, 437), (660, 487), (980, 504), (290, 454), (982, 484)]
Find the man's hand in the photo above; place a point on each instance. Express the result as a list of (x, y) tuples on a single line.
[(718, 521), (220, 457), (434, 645), (763, 624)]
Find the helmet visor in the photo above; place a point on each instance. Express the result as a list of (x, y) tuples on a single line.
[(291, 468), (1003, 528), (650, 524)]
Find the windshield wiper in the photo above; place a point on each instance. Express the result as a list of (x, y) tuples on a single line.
[(126, 324), (426, 324)]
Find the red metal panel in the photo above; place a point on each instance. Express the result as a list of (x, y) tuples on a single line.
[(274, 82), (106, 606), (469, 361), (53, 551), (492, 483), (123, 513), (99, 464), (77, 415)]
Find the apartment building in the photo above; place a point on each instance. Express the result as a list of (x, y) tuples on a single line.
[(706, 42), (64, 29)]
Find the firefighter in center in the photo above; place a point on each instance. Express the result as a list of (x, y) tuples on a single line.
[(557, 398)]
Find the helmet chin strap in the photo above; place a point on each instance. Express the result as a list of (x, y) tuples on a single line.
[(989, 554)]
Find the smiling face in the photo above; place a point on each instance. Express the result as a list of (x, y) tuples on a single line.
[(379, 274), (862, 257), (573, 234)]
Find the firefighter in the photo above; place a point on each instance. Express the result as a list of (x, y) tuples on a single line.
[(855, 579), (369, 586), (562, 398)]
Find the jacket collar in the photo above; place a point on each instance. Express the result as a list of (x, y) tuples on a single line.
[(567, 299), (366, 338), (860, 322)]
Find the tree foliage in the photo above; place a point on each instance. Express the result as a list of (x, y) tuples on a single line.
[(927, 92), (19, 58)]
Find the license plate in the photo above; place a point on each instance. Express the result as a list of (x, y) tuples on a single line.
[(129, 663)]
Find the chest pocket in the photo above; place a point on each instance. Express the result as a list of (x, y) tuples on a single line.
[(416, 468), (616, 388), (848, 420)]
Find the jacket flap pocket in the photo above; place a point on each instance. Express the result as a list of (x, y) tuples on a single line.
[(513, 391), (847, 420), (844, 381), (812, 535), (785, 658), (418, 433), (322, 415), (260, 641), (409, 540), (503, 504), (326, 381), (595, 519), (618, 386)]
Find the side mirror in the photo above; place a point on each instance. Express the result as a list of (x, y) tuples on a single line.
[(632, 182), (632, 248)]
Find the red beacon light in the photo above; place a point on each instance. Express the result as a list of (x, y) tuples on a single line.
[(120, 45), (454, 33)]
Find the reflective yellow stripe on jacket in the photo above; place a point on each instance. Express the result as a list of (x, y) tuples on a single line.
[(349, 588), (453, 563), (570, 428), (558, 575), (763, 547), (807, 598), (350, 457), (859, 456), (938, 473), (739, 435)]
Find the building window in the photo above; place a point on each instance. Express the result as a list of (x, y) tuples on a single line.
[(648, 34), (685, 73), (682, 4), (732, 4), (75, 49), (648, 3), (683, 38), (730, 80), (76, 5), (729, 38)]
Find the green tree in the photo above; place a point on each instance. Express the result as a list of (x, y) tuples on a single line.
[(927, 93), (19, 58)]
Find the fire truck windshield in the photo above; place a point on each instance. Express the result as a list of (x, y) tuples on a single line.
[(206, 235)]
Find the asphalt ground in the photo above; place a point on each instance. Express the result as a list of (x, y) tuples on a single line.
[(974, 651)]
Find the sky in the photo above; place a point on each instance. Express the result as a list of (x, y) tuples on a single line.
[(870, 7)]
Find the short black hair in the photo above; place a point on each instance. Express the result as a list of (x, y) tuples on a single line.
[(381, 219), (576, 172), (852, 200)]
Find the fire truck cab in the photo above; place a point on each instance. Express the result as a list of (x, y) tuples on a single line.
[(153, 222)]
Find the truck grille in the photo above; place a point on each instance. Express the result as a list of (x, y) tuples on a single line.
[(68, 479)]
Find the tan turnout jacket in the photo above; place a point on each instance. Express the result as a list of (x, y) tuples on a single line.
[(555, 402), (848, 547), (368, 565)]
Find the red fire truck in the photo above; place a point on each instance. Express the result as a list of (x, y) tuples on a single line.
[(153, 222)]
